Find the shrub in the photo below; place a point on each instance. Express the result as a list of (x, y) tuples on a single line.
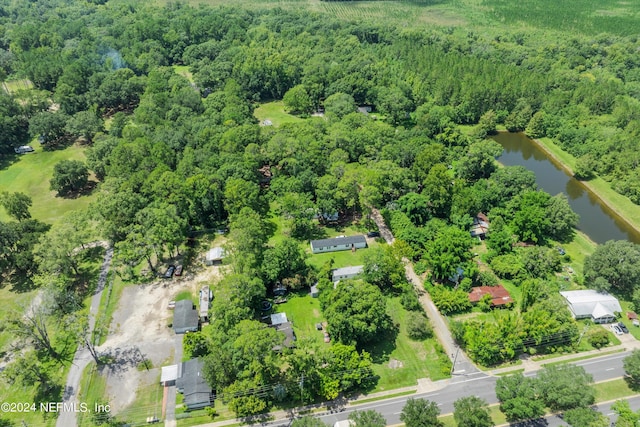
[(598, 337), (418, 327)]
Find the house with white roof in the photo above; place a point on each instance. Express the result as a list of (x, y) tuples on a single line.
[(600, 307)]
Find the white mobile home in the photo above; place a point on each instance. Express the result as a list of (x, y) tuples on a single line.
[(338, 244)]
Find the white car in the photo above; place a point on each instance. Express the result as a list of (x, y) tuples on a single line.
[(23, 149), (616, 330)]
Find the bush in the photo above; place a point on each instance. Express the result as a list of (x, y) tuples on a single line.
[(487, 278), (409, 300), (418, 327), (598, 337), (450, 301)]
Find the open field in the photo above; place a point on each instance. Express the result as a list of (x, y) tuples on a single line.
[(274, 111), (30, 174), (579, 16)]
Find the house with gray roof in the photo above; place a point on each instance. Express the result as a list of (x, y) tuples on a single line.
[(341, 243), (600, 307), (185, 317), (345, 273), (191, 383)]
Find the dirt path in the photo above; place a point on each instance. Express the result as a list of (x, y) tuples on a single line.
[(461, 363), (82, 356)]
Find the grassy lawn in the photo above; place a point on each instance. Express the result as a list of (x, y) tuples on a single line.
[(494, 410), (578, 249), (304, 312), (11, 300), (419, 359), (14, 86), (184, 71), (274, 111), (148, 403), (93, 388), (30, 174), (614, 389)]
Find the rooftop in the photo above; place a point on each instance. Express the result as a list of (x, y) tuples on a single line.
[(347, 240), (352, 269), (499, 295), (185, 315)]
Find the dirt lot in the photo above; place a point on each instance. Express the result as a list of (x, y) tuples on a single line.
[(140, 330)]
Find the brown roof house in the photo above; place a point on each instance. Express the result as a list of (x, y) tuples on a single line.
[(499, 295)]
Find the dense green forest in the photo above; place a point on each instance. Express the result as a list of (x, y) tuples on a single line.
[(179, 153)]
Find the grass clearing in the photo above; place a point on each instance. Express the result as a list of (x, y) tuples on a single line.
[(614, 389), (148, 403), (13, 86), (304, 312), (274, 111), (30, 174), (413, 359), (184, 71), (494, 410), (93, 388)]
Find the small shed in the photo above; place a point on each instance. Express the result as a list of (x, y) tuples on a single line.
[(214, 255), (169, 375), (632, 315), (185, 317), (278, 318), (314, 291), (346, 272), (480, 226), (343, 243)]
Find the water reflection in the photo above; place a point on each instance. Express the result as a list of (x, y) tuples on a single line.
[(596, 220)]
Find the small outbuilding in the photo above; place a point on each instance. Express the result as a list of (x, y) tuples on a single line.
[(314, 292), (480, 226), (343, 243), (600, 307), (345, 273), (278, 318), (214, 255), (185, 317), (191, 383)]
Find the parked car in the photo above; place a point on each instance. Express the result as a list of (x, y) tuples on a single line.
[(178, 271), (169, 273), (23, 149), (623, 327), (373, 234), (561, 250), (616, 329)]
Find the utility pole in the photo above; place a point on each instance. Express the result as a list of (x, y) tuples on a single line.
[(453, 367)]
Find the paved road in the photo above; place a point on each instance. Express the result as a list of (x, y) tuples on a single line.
[(82, 356), (479, 384)]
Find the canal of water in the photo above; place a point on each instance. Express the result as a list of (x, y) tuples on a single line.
[(597, 220)]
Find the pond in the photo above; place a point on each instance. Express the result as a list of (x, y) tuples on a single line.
[(597, 220)]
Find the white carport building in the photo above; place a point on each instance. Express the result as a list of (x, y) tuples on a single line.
[(600, 307)]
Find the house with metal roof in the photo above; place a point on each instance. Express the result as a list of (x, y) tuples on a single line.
[(341, 243), (598, 306), (500, 297), (214, 255), (185, 317), (345, 273)]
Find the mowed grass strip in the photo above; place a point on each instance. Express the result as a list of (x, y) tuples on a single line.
[(31, 173)]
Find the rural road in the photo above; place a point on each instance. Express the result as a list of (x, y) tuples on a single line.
[(82, 356)]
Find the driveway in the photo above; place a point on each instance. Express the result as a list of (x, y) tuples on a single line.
[(462, 366)]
